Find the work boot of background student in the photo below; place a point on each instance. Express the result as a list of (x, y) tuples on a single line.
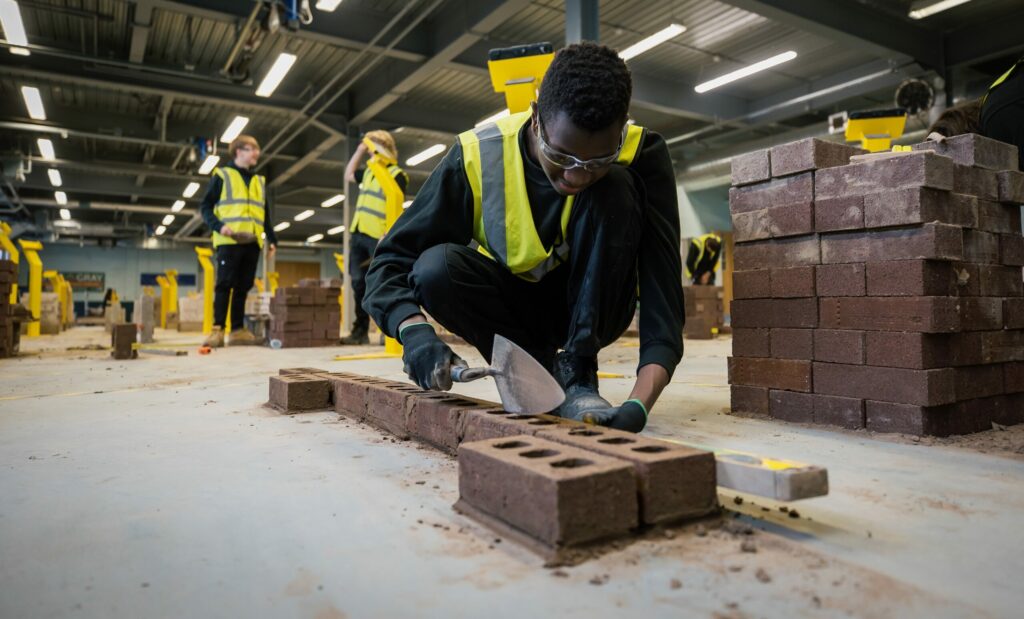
[(241, 337), (356, 338), (215, 339), (578, 377)]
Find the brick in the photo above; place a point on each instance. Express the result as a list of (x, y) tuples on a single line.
[(981, 247), (749, 400), (754, 284), (959, 418), (1000, 281), (122, 336), (386, 406), (840, 280), (810, 154), (839, 346), (300, 392), (751, 167), (791, 406), (674, 482), (289, 371), (792, 313), (929, 241), (916, 205), (1011, 249), (922, 387), (839, 411), (999, 218), (558, 494), (751, 342), (775, 222), (1013, 377), (791, 375), (751, 225), (918, 314), (841, 213), (491, 423), (975, 182), (980, 313), (792, 282), (437, 418), (350, 396), (1013, 313), (779, 192), (916, 278), (787, 252), (792, 343), (1011, 186), (916, 170), (979, 381), (996, 346), (907, 350), (971, 149)]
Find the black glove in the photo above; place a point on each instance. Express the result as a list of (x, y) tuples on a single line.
[(428, 360), (631, 416)]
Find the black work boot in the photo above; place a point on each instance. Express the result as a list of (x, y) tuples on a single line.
[(356, 338), (578, 377)]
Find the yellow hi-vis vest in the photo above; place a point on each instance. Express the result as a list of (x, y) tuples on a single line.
[(370, 217), (1002, 78), (241, 208), (702, 243), (503, 226)]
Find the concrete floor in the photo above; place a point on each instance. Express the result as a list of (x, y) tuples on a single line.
[(161, 487)]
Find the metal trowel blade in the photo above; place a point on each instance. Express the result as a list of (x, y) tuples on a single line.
[(525, 386)]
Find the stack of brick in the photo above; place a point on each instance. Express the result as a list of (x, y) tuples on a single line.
[(122, 337), (9, 333), (883, 292), (305, 316), (190, 313), (145, 317), (705, 313)]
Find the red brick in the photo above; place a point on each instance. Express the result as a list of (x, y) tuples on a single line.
[(810, 154), (491, 423), (958, 418), (792, 313), (674, 482), (787, 252), (1013, 377), (840, 280), (996, 217), (915, 205), (1011, 186), (907, 350), (930, 241), (300, 392), (975, 182), (1001, 281), (751, 225), (1011, 249), (922, 387), (773, 373), (914, 278), (1013, 313), (751, 342), (780, 192), (752, 284), (791, 406), (749, 400), (350, 396), (979, 381), (751, 167), (288, 371), (558, 494), (839, 411), (999, 346), (385, 407), (842, 213), (919, 314), (792, 343), (437, 418), (122, 336), (775, 222), (916, 170), (981, 247), (838, 346), (981, 313), (971, 149), (792, 282)]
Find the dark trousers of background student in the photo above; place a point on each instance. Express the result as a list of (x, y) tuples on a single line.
[(360, 253), (236, 272)]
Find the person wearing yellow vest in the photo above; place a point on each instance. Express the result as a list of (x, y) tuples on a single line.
[(237, 211), (702, 259), (368, 223), (543, 226)]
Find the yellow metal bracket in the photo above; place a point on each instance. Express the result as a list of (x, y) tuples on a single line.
[(517, 72), (875, 129), (172, 290), (204, 254), (35, 283), (165, 288)]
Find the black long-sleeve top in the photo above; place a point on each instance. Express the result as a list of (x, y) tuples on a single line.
[(707, 264), (442, 212), (212, 196)]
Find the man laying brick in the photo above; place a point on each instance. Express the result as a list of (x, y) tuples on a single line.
[(542, 227)]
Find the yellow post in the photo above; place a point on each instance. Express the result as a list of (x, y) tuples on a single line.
[(69, 294), (165, 288), (9, 247), (339, 259), (274, 277), (172, 289), (259, 285), (205, 253), (35, 283)]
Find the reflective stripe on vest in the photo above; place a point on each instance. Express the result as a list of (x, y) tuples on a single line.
[(503, 226), (241, 207), (1002, 78), (370, 216)]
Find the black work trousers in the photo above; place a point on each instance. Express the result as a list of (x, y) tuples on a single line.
[(236, 271), (360, 253), (579, 307)]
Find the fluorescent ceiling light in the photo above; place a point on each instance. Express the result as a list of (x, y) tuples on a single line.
[(14, 28), (746, 71), (160, 230), (284, 225), (60, 197), (20, 51), (419, 158), (327, 5), (652, 41), (210, 163), (177, 206), (304, 215), (33, 102), (46, 149), (168, 220), (329, 202), (190, 190), (493, 117), (277, 72), (406, 203), (55, 178), (65, 214), (920, 10), (234, 129), (315, 238), (336, 230)]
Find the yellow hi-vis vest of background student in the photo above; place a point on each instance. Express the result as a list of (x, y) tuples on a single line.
[(503, 224), (702, 244), (241, 208), (370, 217)]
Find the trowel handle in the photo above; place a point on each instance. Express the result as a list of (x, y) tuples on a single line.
[(463, 374)]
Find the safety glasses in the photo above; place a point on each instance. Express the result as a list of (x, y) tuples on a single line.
[(568, 162)]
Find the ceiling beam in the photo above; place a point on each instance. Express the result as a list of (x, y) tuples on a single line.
[(980, 42), (142, 21)]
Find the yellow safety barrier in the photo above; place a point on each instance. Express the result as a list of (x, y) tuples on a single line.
[(12, 249), (165, 288), (274, 277), (35, 283), (339, 259), (69, 295), (172, 289), (204, 254)]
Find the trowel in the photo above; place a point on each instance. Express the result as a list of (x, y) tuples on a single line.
[(525, 386)]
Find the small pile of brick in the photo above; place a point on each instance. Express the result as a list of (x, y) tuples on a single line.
[(304, 316), (10, 333), (882, 292), (552, 482), (705, 312)]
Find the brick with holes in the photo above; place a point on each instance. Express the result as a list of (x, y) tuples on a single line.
[(294, 393), (491, 423), (558, 494), (674, 482), (437, 418)]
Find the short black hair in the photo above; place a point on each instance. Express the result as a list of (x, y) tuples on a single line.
[(590, 83)]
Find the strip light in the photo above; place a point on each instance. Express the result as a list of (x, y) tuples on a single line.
[(177, 206), (315, 238), (327, 5), (168, 220), (920, 10), (33, 102), (492, 118), (190, 190), (329, 202), (46, 149), (234, 129), (65, 214), (55, 178), (430, 153), (14, 27), (284, 225), (304, 215), (652, 41), (210, 163), (738, 74), (60, 197), (160, 230), (336, 230), (278, 70)]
